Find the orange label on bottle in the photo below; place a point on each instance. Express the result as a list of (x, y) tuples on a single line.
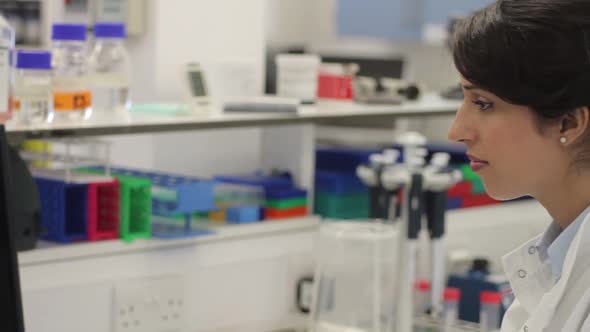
[(70, 101), (15, 103)]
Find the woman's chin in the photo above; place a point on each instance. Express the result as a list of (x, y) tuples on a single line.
[(502, 194)]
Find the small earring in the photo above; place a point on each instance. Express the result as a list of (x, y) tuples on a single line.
[(563, 139)]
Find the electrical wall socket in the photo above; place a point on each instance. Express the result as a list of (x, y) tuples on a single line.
[(150, 305)]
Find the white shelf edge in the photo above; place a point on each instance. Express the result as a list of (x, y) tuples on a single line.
[(54, 253), (324, 111)]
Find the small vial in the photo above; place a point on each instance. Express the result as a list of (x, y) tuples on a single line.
[(421, 297), (489, 315), (451, 298), (33, 99)]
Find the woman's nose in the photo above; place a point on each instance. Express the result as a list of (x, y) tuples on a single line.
[(459, 131)]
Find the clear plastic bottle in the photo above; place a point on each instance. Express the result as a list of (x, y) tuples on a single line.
[(489, 315), (33, 95), (72, 98), (451, 297), (6, 48), (109, 68)]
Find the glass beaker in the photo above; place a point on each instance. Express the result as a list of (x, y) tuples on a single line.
[(354, 288)]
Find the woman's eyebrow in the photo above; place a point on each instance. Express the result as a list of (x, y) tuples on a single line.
[(470, 87)]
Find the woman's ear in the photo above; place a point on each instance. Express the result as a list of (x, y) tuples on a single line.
[(574, 125)]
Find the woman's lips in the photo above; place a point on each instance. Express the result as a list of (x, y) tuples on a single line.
[(477, 166), (476, 163)]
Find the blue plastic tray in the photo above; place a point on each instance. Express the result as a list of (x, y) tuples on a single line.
[(344, 160), (338, 183), (267, 182), (278, 194), (243, 214)]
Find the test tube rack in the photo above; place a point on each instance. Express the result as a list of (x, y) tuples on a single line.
[(171, 196), (64, 210), (78, 211), (103, 210), (135, 205), (136, 208)]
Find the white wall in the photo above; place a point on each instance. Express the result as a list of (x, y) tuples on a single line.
[(228, 284), (313, 23), (210, 32)]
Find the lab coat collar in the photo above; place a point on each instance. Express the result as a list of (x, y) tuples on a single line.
[(530, 273), (558, 248)]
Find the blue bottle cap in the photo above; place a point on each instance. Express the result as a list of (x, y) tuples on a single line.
[(68, 31), (33, 60), (109, 30)]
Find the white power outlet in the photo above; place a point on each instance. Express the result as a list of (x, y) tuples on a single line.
[(149, 305)]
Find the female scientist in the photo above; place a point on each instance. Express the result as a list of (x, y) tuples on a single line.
[(525, 119)]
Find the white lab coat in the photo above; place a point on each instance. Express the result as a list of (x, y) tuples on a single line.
[(541, 305)]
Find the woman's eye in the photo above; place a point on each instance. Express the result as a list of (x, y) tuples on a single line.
[(483, 105)]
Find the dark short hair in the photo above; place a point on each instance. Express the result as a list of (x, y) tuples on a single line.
[(529, 52)]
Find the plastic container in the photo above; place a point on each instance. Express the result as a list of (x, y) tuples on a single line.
[(227, 195), (6, 47), (103, 210), (344, 160), (297, 76), (337, 183), (135, 205), (354, 288), (64, 210), (109, 69), (286, 203), (421, 297), (243, 214), (489, 316), (272, 214), (72, 98), (451, 298), (33, 96), (351, 206), (336, 81)]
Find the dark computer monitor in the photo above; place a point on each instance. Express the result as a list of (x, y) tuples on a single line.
[(10, 292)]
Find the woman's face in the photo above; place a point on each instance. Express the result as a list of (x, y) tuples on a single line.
[(504, 144)]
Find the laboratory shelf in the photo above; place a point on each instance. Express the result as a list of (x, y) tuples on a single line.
[(49, 252), (324, 112), (483, 225)]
